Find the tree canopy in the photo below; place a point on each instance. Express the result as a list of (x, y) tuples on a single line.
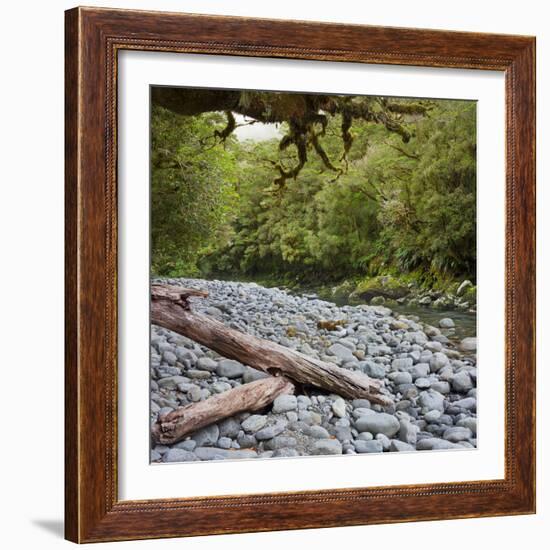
[(354, 186)]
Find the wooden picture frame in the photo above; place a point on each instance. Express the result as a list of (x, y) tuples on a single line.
[(93, 511)]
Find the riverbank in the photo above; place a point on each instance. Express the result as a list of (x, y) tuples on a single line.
[(430, 378)]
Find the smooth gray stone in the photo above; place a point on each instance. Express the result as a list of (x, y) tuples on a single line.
[(339, 408), (373, 446), (292, 416), (357, 413), (383, 423), (374, 370), (285, 403), (254, 423), (213, 453), (435, 444), (230, 368), (468, 403), (434, 346), (385, 440), (230, 427), (470, 422), (456, 434), (341, 352), (399, 446), (432, 416), (171, 382), (441, 387), (169, 357), (246, 441), (438, 361), (318, 432), (446, 322), (207, 436), (420, 370), (327, 447), (341, 433), (207, 364), (155, 456), (179, 455), (270, 431), (461, 382), (407, 432), (187, 445), (401, 377), (361, 404), (220, 387), (251, 375), (184, 354), (468, 344), (403, 363), (431, 400), (224, 443), (422, 383)]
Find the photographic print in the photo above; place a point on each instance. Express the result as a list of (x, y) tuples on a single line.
[(313, 274)]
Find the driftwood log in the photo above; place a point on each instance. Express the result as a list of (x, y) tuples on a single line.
[(170, 309), (254, 396)]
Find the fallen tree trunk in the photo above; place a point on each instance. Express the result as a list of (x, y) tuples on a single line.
[(170, 309), (254, 396)]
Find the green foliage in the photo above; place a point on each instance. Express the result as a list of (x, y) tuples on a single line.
[(385, 207), (192, 189)]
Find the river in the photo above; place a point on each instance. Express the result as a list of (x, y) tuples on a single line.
[(465, 321)]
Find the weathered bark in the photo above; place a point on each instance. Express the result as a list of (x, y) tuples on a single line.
[(170, 309), (175, 425)]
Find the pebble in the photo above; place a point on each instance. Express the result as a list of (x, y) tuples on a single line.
[(456, 434), (229, 427), (285, 403), (339, 408), (318, 432), (270, 431), (213, 453), (230, 369), (469, 422), (468, 344), (254, 423), (178, 455), (377, 423), (432, 380), (461, 382), (207, 436), (327, 447), (399, 446), (431, 400), (372, 446), (438, 361)]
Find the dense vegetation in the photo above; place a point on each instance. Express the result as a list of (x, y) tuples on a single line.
[(374, 204)]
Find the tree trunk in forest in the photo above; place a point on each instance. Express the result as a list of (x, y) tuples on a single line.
[(254, 396), (170, 309)]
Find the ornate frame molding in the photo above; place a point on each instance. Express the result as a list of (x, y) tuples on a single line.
[(93, 38)]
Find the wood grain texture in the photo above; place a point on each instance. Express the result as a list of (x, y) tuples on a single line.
[(93, 38), (171, 310), (254, 396)]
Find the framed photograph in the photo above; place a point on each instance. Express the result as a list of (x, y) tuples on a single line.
[(300, 275)]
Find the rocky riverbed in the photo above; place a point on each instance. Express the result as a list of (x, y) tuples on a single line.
[(432, 380)]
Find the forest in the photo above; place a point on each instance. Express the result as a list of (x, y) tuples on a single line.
[(345, 187)]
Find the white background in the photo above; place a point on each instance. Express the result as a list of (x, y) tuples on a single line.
[(137, 479), (31, 214)]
